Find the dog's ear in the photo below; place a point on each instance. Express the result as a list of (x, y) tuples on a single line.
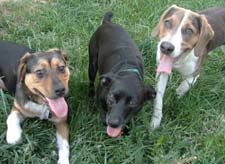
[(61, 52), (169, 11), (22, 67), (106, 80), (149, 93), (206, 34)]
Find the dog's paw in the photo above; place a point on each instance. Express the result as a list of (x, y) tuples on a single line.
[(180, 92), (14, 131), (155, 123), (63, 161), (14, 135)]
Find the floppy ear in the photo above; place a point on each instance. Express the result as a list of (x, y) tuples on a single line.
[(206, 34), (61, 52), (149, 93), (106, 80), (22, 67), (169, 11)]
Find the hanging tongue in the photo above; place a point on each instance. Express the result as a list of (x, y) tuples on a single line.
[(165, 64), (113, 132), (58, 106)]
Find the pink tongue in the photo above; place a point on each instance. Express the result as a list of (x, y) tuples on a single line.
[(165, 64), (58, 106), (113, 132)]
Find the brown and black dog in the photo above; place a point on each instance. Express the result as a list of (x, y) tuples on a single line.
[(39, 82)]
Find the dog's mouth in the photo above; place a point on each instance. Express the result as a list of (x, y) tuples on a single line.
[(113, 132), (166, 63), (58, 106)]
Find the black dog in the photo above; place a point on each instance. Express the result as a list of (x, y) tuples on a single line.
[(121, 91)]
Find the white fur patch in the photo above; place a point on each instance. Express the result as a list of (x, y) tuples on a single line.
[(37, 110), (63, 148), (158, 103), (14, 131), (186, 65)]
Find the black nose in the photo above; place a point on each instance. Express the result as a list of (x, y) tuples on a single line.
[(114, 122), (166, 48), (60, 91)]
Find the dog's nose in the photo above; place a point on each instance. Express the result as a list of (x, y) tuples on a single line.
[(59, 91), (114, 122), (166, 48)]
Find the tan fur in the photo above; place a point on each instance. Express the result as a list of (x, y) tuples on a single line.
[(44, 85), (206, 35), (22, 67), (62, 129), (156, 30), (189, 42)]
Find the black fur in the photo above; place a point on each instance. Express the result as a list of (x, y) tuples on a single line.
[(121, 91)]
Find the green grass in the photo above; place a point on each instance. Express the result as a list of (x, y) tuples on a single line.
[(192, 129)]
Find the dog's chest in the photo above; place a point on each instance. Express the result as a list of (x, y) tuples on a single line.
[(187, 65)]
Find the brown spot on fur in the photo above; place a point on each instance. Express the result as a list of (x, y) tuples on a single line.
[(189, 41), (206, 35), (166, 14), (62, 129), (22, 67)]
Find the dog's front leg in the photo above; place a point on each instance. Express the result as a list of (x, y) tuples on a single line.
[(158, 103), (186, 85), (62, 135), (14, 131)]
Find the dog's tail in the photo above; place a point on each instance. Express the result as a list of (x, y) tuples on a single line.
[(107, 17)]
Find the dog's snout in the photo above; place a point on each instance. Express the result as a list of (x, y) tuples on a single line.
[(166, 48), (60, 90), (114, 122)]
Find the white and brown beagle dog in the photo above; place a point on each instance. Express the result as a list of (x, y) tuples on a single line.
[(186, 37)]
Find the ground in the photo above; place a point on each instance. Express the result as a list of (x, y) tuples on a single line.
[(192, 129)]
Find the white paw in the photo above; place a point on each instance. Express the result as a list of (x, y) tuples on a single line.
[(63, 161), (155, 123), (13, 135), (180, 91), (14, 131)]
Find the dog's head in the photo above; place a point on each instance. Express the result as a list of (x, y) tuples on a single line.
[(45, 75), (125, 97), (180, 31)]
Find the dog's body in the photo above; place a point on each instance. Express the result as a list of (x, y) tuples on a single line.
[(121, 91), (186, 38), (39, 81)]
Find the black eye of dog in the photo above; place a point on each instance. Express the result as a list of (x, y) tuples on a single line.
[(131, 102), (61, 69), (40, 73), (168, 24)]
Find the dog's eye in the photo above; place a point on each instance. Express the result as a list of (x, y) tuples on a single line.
[(131, 102), (188, 31), (40, 73), (61, 69), (168, 24)]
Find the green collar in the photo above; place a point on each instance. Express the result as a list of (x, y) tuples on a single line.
[(134, 70)]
